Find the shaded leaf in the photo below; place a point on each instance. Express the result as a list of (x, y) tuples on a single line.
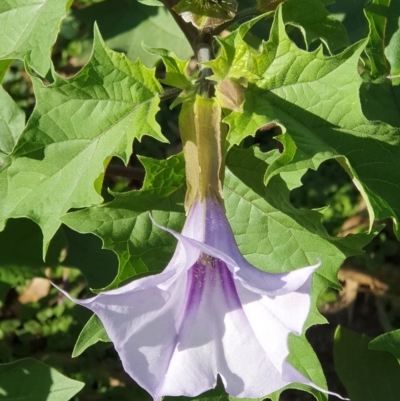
[(351, 14), (125, 24), (381, 101), (85, 252), (376, 14), (25, 235), (389, 342), (31, 380), (393, 41), (367, 375), (314, 21)]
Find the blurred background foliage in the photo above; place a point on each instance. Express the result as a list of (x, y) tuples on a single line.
[(36, 321)]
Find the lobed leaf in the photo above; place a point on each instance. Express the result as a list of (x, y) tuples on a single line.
[(77, 126), (29, 29), (315, 23), (275, 236), (124, 224), (315, 100), (176, 69)]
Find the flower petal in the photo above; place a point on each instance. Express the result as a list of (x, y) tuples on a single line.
[(220, 243), (280, 316), (143, 325), (216, 338)]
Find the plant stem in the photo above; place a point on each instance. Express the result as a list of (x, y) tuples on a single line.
[(170, 93), (204, 53), (191, 33)]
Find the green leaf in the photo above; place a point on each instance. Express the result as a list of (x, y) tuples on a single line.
[(275, 236), (92, 332), (381, 98), (315, 100), (154, 3), (393, 40), (367, 375), (124, 224), (24, 234), (235, 54), (4, 64), (376, 14), (77, 126), (351, 14), (126, 24), (381, 101), (315, 23), (304, 359), (32, 380), (85, 252), (176, 69), (12, 122), (389, 342), (29, 29)]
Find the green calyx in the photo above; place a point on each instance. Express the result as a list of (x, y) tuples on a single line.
[(203, 136)]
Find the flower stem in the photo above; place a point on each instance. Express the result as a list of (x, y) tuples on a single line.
[(205, 53)]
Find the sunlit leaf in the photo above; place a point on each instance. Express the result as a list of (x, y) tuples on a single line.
[(29, 29), (12, 122), (92, 332), (315, 100), (77, 125)]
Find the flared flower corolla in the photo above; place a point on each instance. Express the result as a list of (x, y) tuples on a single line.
[(208, 313)]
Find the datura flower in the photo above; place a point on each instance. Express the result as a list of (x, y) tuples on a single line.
[(208, 313)]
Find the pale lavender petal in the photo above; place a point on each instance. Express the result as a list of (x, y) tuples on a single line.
[(209, 312), (143, 326), (216, 338), (142, 318), (227, 251), (280, 316)]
